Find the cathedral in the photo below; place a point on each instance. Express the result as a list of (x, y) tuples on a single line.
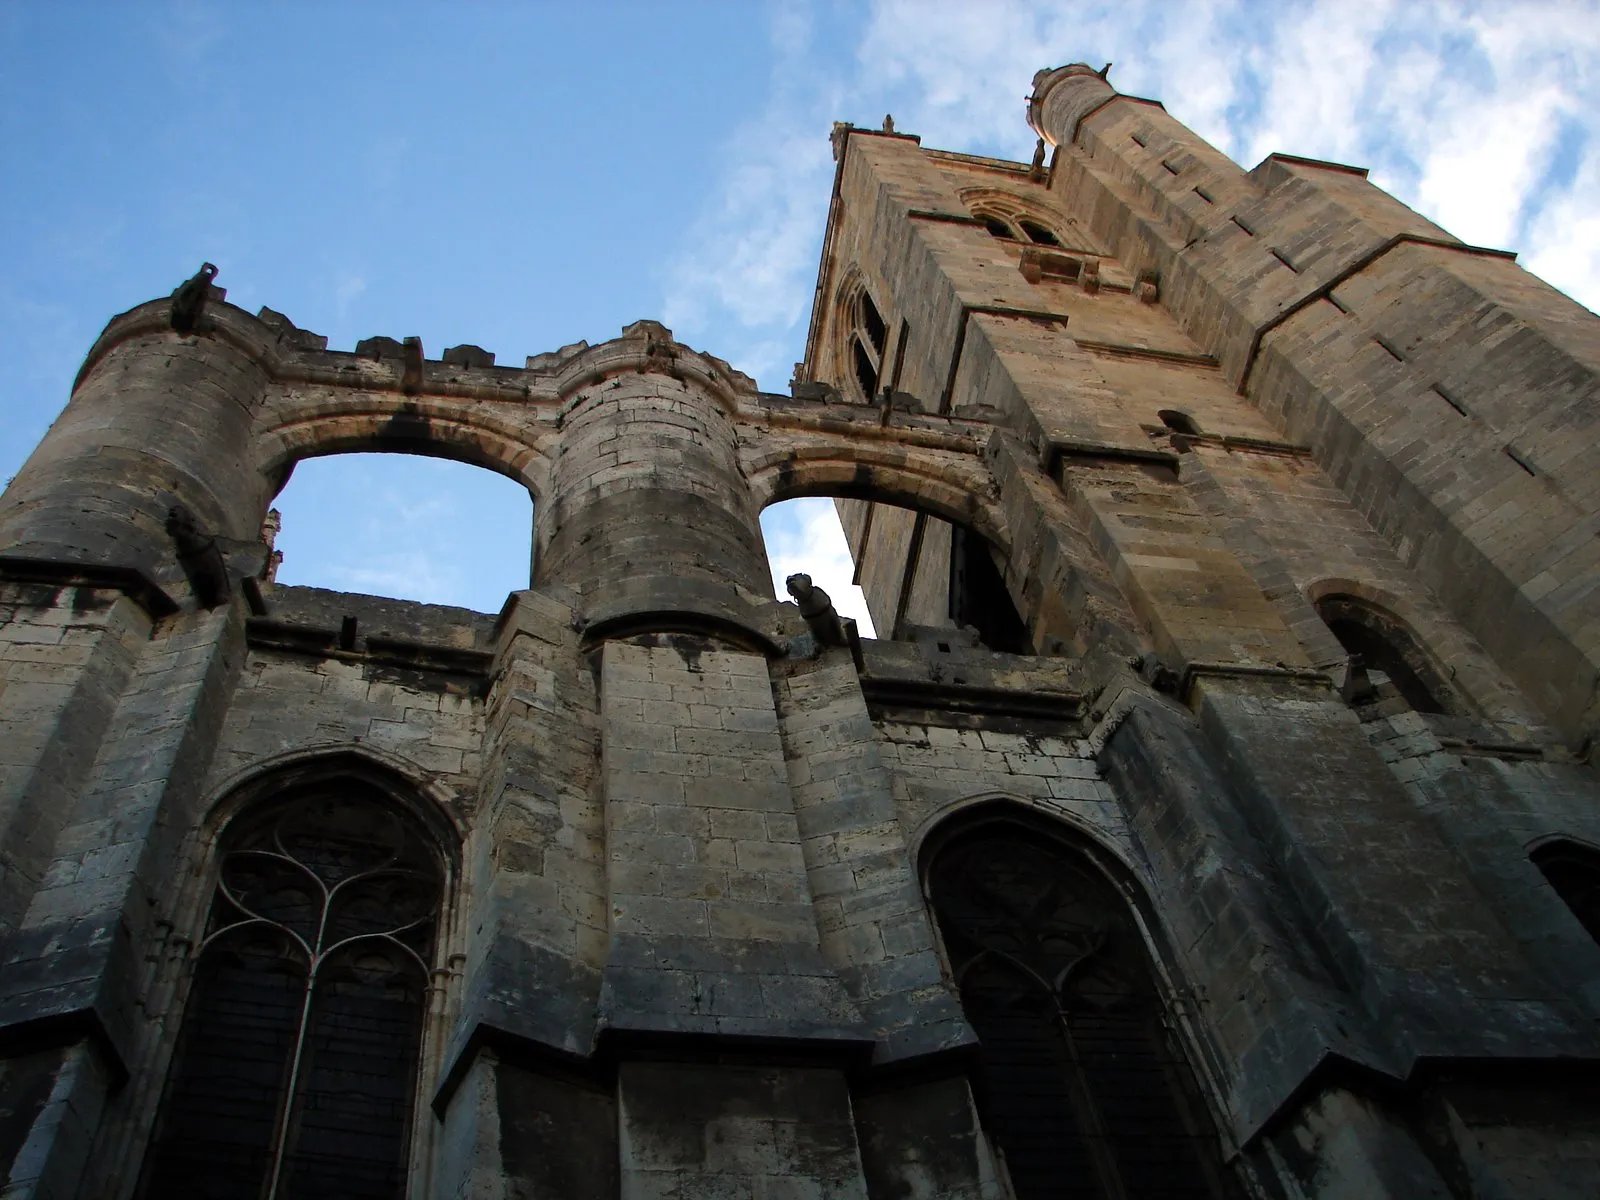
[(1214, 816)]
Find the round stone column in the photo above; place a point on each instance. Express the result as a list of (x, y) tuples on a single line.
[(1063, 97), (647, 515), (157, 418)]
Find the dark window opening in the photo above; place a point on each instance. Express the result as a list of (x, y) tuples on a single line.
[(979, 597), (1377, 642), (296, 1064), (872, 322), (1038, 234), (866, 369), (999, 228), (1179, 421), (1574, 872), (1079, 1081)]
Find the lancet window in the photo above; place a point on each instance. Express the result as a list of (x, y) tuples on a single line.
[(1574, 872), (1386, 660), (866, 333), (295, 1071), (1081, 1085)]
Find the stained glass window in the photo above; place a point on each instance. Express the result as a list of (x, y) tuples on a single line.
[(295, 1070)]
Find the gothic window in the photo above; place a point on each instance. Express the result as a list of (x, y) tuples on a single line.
[(872, 323), (866, 370), (1574, 872), (979, 597), (1178, 421), (997, 227), (1080, 1083), (295, 1071), (1038, 234), (866, 336), (1386, 659)]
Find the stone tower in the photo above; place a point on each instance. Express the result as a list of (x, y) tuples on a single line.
[(1215, 816)]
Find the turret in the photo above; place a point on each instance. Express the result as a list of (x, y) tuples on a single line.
[(648, 517), (160, 419)]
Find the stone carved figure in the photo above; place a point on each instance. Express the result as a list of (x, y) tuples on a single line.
[(817, 608), (199, 556), (189, 301)]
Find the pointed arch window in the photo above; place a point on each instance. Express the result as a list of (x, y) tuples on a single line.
[(1386, 659), (1081, 1083), (998, 227), (1574, 872), (295, 1072), (1038, 234), (864, 340)]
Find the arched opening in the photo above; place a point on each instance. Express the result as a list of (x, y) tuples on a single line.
[(866, 370), (1178, 421), (295, 1070), (1388, 666), (872, 322), (803, 536), (1080, 1080), (997, 227), (405, 526), (1038, 234), (925, 578), (1574, 872)]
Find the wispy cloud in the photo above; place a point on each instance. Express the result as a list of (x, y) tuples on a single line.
[(1483, 116), (741, 282), (803, 536), (347, 289)]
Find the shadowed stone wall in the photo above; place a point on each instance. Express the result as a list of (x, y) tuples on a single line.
[(685, 947)]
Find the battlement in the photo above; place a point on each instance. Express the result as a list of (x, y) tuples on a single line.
[(293, 354)]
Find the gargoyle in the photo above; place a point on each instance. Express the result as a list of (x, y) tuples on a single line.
[(818, 610), (199, 556)]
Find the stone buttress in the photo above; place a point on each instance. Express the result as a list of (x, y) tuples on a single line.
[(1126, 443)]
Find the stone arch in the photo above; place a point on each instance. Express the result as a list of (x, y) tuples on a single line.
[(1571, 868), (998, 802), (433, 803), (1372, 624), (953, 488), (860, 358), (951, 566), (404, 425), (1053, 950), (1016, 212), (386, 848)]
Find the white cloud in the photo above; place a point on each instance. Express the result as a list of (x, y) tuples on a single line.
[(346, 290), (1484, 116), (804, 537)]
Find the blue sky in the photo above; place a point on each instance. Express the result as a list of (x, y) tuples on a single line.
[(521, 176)]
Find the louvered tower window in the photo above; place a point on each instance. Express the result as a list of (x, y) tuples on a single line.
[(295, 1070), (1081, 1085)]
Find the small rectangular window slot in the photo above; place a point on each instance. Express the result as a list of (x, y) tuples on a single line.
[(1170, 168), (1389, 347), (1450, 400), (1140, 140), (1335, 301), (1204, 195), (1243, 226), (1520, 461), (1280, 256)]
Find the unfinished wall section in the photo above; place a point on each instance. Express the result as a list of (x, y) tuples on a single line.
[(1198, 424)]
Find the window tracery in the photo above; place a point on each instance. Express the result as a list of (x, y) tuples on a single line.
[(296, 1065), (863, 338), (1081, 1083)]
